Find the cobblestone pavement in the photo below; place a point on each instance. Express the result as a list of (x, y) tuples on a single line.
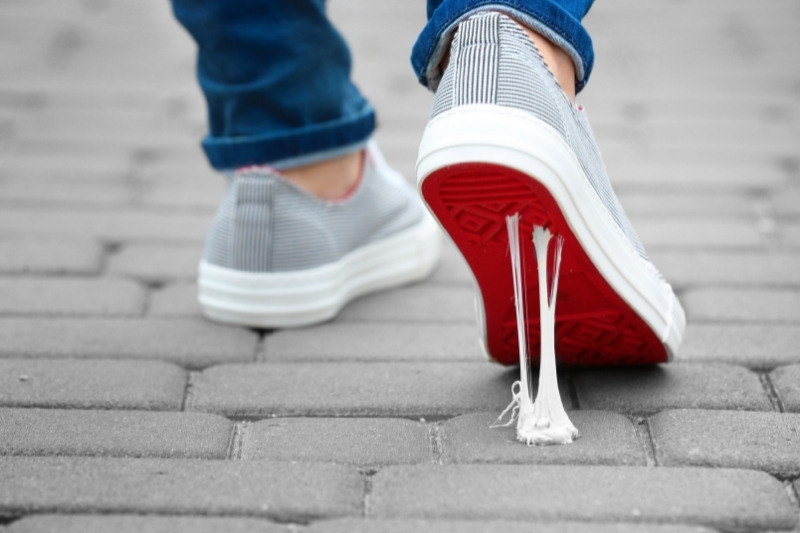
[(123, 410)]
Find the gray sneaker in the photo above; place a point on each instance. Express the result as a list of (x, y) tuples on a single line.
[(505, 139), (279, 257)]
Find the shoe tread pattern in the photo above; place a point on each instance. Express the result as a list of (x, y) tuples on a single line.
[(594, 326)]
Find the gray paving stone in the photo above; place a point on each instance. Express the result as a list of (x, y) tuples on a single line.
[(73, 166), (689, 176), (677, 233), (352, 525), (649, 203), (790, 234), (200, 192), (703, 268), (21, 256), (742, 305), (353, 389), (721, 498), (281, 491), (53, 523), (119, 225), (175, 300), (418, 303), (192, 169), (189, 343), (30, 189), (762, 346), (91, 384), (673, 386), (359, 441), (606, 439), (70, 296), (375, 342), (730, 439), (786, 381), (786, 202), (157, 262), (452, 269), (113, 433), (101, 126)]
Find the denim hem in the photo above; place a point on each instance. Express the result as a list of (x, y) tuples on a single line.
[(567, 34), (292, 147)]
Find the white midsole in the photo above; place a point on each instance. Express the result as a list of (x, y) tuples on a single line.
[(516, 139), (299, 298)]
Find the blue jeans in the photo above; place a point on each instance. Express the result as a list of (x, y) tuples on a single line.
[(276, 74)]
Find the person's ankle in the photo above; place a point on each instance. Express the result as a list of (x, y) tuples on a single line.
[(331, 179), (557, 60)]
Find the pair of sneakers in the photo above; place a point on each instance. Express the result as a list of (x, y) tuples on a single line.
[(503, 139)]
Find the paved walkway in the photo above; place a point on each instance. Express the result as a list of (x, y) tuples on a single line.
[(123, 410)]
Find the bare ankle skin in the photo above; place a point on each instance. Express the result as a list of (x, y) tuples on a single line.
[(559, 62), (331, 179)]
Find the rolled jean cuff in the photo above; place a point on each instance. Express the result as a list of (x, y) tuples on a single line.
[(292, 148), (544, 18)]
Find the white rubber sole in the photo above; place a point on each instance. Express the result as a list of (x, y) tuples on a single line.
[(305, 297), (515, 139)]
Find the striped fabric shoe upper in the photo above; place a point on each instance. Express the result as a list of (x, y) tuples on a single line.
[(522, 80), (266, 224)]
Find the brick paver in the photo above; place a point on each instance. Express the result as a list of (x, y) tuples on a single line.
[(49, 257), (350, 525), (714, 497), (137, 524), (761, 346), (192, 343), (156, 263), (70, 296), (112, 225), (175, 300), (678, 232), (732, 439), (378, 420), (368, 442), (743, 305), (113, 433), (703, 268), (281, 491), (787, 384), (91, 384), (606, 438), (352, 389), (677, 385), (375, 342)]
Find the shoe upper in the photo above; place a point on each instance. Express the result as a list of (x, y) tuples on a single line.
[(266, 224), (493, 61)]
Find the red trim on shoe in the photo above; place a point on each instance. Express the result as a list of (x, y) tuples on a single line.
[(594, 325)]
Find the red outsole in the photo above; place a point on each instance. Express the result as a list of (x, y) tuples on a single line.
[(594, 325)]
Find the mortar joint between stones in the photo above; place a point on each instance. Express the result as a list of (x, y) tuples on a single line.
[(644, 432), (771, 392), (236, 446), (435, 442), (187, 390), (572, 389), (260, 353), (365, 502)]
